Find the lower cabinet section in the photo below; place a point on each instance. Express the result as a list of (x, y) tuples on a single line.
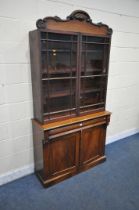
[(62, 152)]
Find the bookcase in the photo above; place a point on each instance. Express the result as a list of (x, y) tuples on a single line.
[(69, 65)]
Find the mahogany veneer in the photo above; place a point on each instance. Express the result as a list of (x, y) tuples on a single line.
[(69, 65)]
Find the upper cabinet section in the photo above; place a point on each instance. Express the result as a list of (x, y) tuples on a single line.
[(69, 64), (78, 21)]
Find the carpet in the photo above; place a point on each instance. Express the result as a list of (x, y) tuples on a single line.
[(113, 185)]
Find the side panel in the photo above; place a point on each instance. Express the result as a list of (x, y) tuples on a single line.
[(38, 136), (36, 74)]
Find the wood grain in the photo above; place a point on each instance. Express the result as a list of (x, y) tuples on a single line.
[(73, 120)]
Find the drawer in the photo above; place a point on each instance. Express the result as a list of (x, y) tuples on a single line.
[(93, 121), (72, 127), (64, 129)]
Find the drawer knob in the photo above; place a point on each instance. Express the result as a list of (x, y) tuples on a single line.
[(81, 124)]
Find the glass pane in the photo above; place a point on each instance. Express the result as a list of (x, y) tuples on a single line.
[(57, 36), (59, 96), (92, 91), (59, 58), (58, 64), (94, 51), (55, 46), (62, 63), (95, 39), (92, 59), (62, 37)]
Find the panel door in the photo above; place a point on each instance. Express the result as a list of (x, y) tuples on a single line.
[(92, 145), (61, 155)]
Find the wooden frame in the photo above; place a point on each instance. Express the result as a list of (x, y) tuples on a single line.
[(69, 65)]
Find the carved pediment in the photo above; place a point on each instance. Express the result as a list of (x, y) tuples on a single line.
[(77, 21)]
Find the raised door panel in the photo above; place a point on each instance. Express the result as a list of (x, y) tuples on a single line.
[(63, 154), (92, 145)]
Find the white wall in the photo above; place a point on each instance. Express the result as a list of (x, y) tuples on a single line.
[(17, 18)]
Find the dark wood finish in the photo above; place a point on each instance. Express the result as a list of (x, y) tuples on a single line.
[(35, 73), (38, 136), (69, 65), (70, 148), (63, 154), (78, 21), (92, 145), (94, 117)]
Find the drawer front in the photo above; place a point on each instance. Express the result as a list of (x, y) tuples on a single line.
[(64, 129), (94, 121)]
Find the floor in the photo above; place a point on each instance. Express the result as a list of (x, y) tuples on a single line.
[(113, 185)]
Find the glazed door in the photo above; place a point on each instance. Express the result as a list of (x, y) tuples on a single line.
[(59, 75), (93, 72), (61, 155), (92, 145)]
